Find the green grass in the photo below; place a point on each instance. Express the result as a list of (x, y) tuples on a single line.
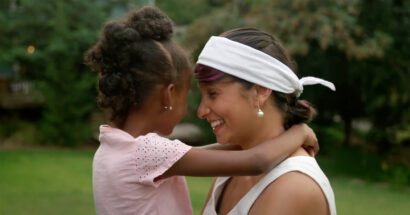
[(198, 188), (354, 196), (46, 181)]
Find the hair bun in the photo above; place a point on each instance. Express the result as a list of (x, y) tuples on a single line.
[(150, 22), (118, 32)]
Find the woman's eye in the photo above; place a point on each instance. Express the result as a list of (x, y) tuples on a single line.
[(212, 94)]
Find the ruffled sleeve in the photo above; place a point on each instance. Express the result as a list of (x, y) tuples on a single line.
[(154, 156)]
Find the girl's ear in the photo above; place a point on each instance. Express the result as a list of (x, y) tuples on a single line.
[(168, 94)]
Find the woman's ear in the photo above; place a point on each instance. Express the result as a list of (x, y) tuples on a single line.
[(262, 94), (168, 94)]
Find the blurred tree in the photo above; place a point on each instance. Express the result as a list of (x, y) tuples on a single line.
[(388, 94), (328, 38), (184, 11), (47, 40), (220, 19), (346, 42)]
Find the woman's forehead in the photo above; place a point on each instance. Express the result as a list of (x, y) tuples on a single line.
[(228, 85), (216, 83)]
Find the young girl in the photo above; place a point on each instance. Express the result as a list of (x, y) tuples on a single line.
[(143, 81)]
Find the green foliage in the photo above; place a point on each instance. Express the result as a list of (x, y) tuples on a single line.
[(330, 135), (353, 162), (388, 88), (361, 46), (216, 22), (399, 175), (366, 165), (184, 11), (15, 132), (329, 23), (59, 36)]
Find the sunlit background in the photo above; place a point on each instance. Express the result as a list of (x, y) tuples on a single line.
[(49, 118)]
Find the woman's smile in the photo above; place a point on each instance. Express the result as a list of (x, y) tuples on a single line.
[(216, 124)]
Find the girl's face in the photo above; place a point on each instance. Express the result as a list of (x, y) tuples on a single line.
[(181, 104), (229, 109)]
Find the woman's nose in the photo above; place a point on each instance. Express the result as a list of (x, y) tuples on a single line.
[(203, 110)]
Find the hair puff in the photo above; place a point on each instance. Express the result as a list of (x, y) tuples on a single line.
[(151, 23)]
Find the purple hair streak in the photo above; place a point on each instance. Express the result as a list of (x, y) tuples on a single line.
[(205, 73)]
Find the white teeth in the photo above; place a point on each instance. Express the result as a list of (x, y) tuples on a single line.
[(216, 123)]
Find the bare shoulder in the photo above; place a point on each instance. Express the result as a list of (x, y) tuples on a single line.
[(292, 193)]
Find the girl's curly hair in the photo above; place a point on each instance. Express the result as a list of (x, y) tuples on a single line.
[(133, 55)]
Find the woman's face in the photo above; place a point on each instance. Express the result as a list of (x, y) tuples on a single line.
[(229, 109)]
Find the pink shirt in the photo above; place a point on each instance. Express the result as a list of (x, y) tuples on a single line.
[(126, 171)]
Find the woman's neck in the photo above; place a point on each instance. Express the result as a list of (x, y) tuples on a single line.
[(270, 127)]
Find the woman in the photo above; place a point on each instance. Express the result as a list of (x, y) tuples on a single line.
[(250, 94)]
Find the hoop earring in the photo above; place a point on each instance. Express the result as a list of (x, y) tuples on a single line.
[(260, 112)]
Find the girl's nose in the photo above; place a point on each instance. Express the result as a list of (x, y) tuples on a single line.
[(203, 110)]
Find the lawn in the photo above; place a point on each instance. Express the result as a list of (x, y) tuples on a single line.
[(46, 181)]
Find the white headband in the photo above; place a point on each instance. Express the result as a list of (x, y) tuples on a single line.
[(252, 65)]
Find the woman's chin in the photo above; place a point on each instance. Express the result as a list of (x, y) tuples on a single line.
[(221, 140)]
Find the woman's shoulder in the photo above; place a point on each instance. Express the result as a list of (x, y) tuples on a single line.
[(292, 193)]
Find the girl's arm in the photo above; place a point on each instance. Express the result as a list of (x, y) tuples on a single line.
[(217, 146), (253, 161), (311, 147)]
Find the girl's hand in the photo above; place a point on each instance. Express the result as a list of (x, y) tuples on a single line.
[(311, 144)]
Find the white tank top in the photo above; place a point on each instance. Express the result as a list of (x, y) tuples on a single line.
[(304, 164)]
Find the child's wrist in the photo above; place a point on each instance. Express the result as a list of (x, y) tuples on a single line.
[(302, 129)]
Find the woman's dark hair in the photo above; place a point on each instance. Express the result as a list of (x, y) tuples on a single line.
[(294, 111), (133, 55)]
